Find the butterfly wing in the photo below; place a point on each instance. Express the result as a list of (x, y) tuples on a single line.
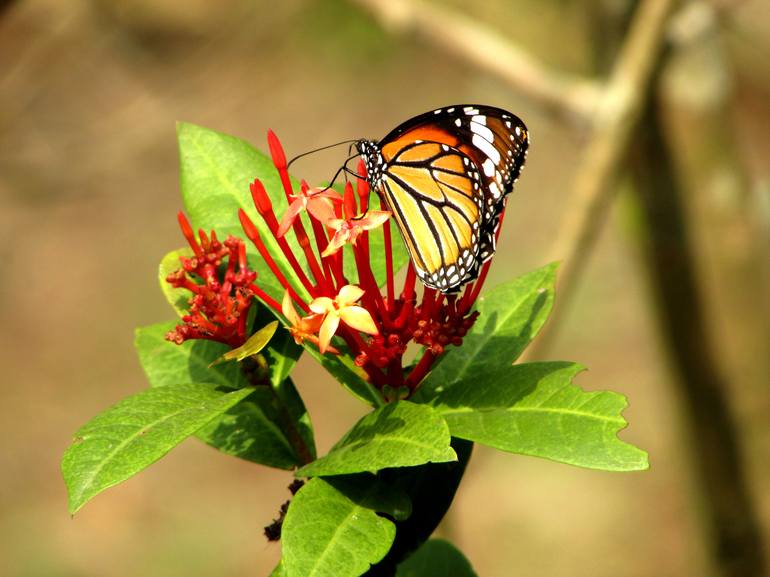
[(435, 194), (446, 174)]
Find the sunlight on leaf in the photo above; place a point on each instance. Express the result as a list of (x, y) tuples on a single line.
[(177, 297), (332, 528), (400, 434), (136, 432), (534, 409)]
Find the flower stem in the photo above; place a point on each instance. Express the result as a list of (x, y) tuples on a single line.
[(421, 370)]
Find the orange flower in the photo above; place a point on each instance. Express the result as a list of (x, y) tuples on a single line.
[(319, 202), (303, 328), (349, 229), (342, 308)]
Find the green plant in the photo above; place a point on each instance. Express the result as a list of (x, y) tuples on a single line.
[(223, 371)]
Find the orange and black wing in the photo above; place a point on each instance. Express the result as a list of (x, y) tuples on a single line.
[(434, 192), (495, 140), (445, 175)]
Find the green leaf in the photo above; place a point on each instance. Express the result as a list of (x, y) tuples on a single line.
[(252, 346), (136, 432), (215, 173), (533, 409), (332, 528), (256, 429), (510, 315), (278, 571), (178, 298), (431, 489), (281, 354), (436, 558), (400, 434), (167, 363)]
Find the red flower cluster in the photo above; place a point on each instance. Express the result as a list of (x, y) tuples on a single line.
[(218, 308), (375, 327)]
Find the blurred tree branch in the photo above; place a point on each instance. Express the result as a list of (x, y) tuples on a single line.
[(616, 116), (567, 95)]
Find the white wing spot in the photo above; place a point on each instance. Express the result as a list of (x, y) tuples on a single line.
[(488, 166), (486, 147), (482, 131)]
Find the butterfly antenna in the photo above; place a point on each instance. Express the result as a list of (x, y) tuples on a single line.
[(320, 149), (343, 168)]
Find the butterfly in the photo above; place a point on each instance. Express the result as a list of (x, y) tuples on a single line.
[(445, 176)]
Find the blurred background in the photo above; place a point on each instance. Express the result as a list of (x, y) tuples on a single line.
[(669, 305)]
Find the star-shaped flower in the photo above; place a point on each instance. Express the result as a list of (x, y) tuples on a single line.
[(342, 308), (303, 328), (318, 201), (349, 229)]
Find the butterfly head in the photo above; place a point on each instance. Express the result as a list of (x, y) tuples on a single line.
[(372, 157)]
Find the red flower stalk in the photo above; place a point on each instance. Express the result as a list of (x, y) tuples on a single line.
[(379, 327), (219, 305)]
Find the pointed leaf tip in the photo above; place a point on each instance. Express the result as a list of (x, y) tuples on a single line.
[(252, 346)]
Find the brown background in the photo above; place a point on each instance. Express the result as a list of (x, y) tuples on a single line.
[(89, 94)]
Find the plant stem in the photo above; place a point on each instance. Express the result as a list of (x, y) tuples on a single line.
[(299, 445), (254, 371)]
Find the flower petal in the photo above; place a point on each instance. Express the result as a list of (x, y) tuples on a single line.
[(358, 318), (322, 305), (290, 216), (354, 233), (336, 243), (349, 294), (373, 219), (321, 208), (328, 328), (335, 223), (325, 192), (287, 307), (311, 323)]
